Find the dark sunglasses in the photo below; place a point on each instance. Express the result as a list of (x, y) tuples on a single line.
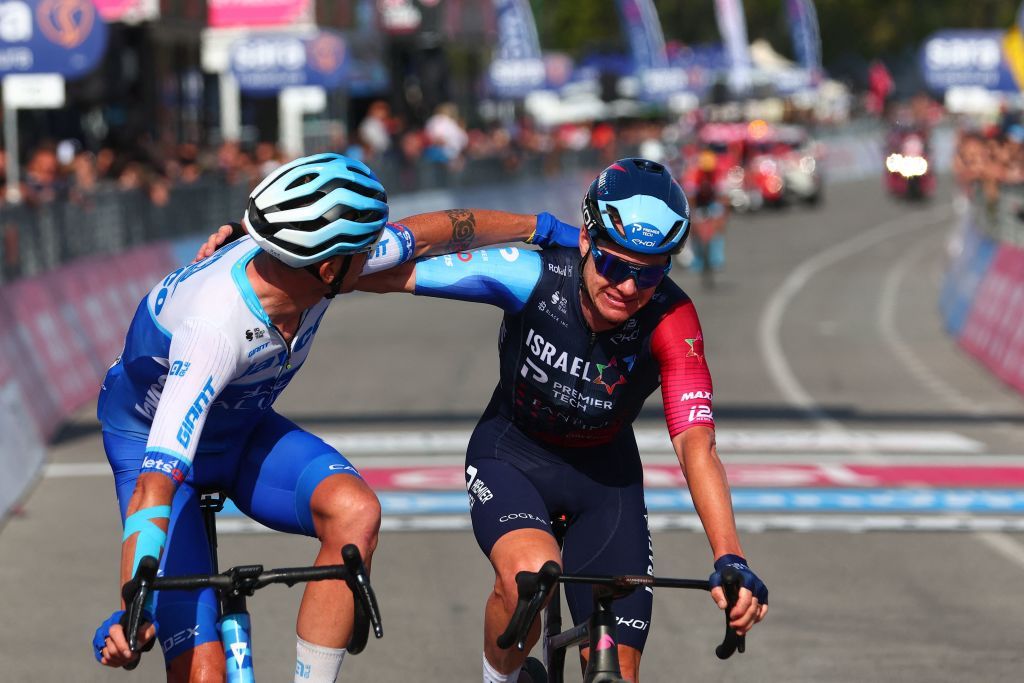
[(615, 270)]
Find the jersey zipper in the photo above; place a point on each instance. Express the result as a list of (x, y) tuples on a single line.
[(288, 347)]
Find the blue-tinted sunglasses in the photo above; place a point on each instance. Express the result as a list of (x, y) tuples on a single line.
[(615, 270)]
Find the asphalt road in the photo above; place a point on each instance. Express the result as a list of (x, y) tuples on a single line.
[(824, 322)]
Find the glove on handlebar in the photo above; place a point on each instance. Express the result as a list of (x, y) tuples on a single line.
[(750, 580), (99, 638), (552, 232)]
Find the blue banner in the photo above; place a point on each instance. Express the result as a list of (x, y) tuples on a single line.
[(66, 37), (643, 31), (517, 68), (265, 64), (975, 58), (803, 25), (732, 25), (658, 79)]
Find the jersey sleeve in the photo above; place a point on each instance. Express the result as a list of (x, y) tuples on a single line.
[(395, 246), (678, 346), (202, 362), (504, 277)]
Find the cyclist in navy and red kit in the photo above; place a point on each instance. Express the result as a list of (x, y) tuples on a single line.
[(589, 332)]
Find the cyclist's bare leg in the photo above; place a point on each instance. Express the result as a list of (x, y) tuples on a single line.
[(516, 551), (629, 662), (201, 664), (345, 510)]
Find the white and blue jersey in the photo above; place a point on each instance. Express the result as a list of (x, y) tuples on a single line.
[(202, 361), (201, 367)]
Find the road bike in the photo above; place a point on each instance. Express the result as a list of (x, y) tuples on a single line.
[(236, 584), (599, 632)]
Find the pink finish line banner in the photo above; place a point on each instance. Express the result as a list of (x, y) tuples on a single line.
[(451, 477), (234, 13)]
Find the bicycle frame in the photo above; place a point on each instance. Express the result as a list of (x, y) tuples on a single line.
[(236, 584), (599, 632)]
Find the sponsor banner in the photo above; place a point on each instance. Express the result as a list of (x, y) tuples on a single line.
[(803, 26), (969, 58), (66, 37), (128, 11), (228, 13), (965, 273), (266, 64), (643, 31), (994, 331), (68, 325), (453, 477), (732, 25), (517, 68)]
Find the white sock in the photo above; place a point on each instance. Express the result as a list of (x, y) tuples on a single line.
[(316, 663), (492, 676)]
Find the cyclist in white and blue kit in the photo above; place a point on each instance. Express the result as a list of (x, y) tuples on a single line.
[(188, 404)]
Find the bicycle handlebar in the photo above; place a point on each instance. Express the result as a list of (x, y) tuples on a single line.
[(534, 588), (533, 592), (246, 580)]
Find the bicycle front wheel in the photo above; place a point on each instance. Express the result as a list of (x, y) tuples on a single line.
[(532, 672)]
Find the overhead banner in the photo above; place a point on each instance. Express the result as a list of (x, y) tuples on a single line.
[(969, 58), (128, 11), (732, 24), (265, 64), (517, 68), (238, 13), (647, 48), (66, 37), (803, 26)]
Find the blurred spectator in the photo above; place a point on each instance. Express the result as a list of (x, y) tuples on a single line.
[(374, 131), (446, 134), (42, 176)]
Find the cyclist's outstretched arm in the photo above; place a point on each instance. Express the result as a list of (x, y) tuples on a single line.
[(504, 277), (452, 230)]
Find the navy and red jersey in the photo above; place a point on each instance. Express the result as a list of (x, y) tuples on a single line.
[(561, 383)]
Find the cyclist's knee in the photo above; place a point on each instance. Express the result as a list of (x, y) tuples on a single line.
[(345, 510), (524, 550), (202, 664)]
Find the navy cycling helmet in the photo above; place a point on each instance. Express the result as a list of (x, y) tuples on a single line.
[(317, 207), (637, 204)]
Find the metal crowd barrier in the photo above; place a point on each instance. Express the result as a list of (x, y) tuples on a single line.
[(1001, 218), (35, 239)]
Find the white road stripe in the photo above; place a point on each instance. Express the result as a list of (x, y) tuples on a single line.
[(769, 328), (1006, 546), (931, 380), (102, 469), (656, 441), (984, 526)]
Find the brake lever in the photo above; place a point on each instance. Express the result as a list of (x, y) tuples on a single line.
[(135, 592), (733, 642), (359, 583)]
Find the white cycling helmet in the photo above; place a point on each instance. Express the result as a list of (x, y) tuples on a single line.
[(317, 207)]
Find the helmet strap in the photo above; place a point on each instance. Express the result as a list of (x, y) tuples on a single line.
[(335, 284)]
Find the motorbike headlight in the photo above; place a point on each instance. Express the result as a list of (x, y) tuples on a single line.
[(808, 164)]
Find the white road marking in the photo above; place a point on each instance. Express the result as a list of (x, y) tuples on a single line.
[(931, 380), (1006, 546), (984, 526), (656, 441), (769, 328)]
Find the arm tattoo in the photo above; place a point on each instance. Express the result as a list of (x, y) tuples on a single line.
[(463, 229)]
